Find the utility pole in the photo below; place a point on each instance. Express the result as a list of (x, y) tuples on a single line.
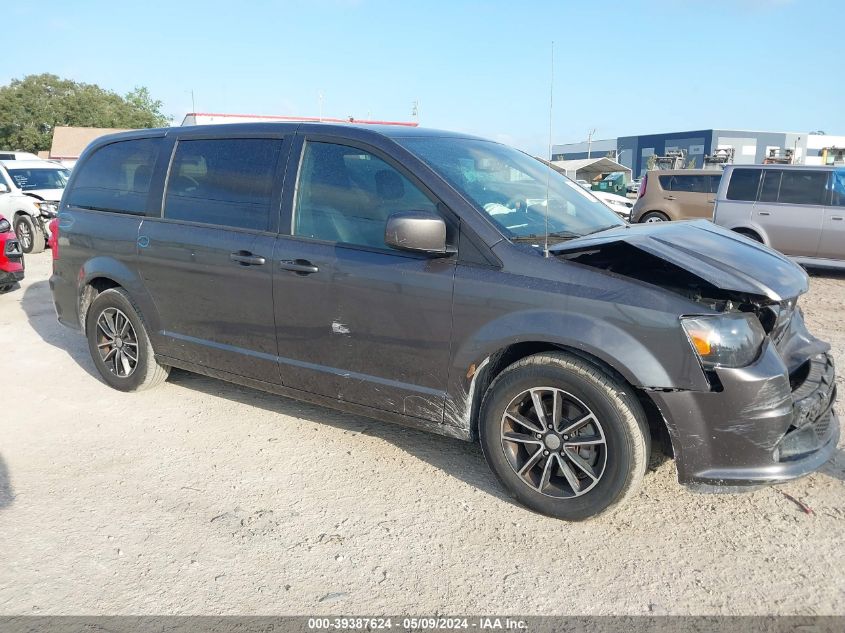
[(415, 110), (590, 141), (320, 100)]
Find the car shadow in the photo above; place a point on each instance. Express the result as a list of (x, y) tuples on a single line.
[(825, 272), (37, 303), (462, 460), (6, 493)]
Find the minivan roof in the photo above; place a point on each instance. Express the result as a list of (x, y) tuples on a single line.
[(354, 130)]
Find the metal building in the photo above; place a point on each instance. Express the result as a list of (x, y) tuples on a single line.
[(703, 148)]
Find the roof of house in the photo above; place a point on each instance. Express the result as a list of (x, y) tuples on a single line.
[(68, 142)]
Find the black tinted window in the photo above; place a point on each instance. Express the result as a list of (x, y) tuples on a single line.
[(116, 177), (688, 184), (744, 184), (715, 181), (770, 188), (227, 182), (803, 187), (346, 194)]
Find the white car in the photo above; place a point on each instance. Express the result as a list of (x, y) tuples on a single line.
[(620, 204), (30, 191), (633, 186), (586, 185)]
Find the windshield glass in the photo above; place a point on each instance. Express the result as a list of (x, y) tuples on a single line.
[(38, 178), (511, 188)]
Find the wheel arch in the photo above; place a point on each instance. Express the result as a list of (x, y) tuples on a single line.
[(102, 273), (513, 353)]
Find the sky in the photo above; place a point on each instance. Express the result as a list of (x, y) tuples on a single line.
[(621, 68)]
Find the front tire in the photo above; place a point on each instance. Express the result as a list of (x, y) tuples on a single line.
[(29, 234), (119, 344), (564, 437)]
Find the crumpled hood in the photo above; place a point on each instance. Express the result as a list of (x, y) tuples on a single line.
[(718, 256), (49, 195)]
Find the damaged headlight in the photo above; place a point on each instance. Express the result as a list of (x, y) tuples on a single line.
[(727, 340), (48, 209)]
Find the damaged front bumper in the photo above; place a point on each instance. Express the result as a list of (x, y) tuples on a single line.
[(764, 425)]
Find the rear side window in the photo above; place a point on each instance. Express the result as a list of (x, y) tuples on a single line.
[(688, 184), (226, 182), (802, 187), (116, 177), (744, 184), (771, 185)]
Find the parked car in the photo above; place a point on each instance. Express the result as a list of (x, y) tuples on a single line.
[(417, 277), (620, 204), (633, 186), (676, 194), (11, 257), (8, 155), (797, 210), (29, 196)]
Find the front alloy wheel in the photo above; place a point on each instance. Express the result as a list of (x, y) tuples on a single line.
[(554, 442)]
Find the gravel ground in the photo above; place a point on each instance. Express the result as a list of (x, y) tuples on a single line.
[(202, 497)]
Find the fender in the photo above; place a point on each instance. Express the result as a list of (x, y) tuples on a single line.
[(649, 366), (126, 277)]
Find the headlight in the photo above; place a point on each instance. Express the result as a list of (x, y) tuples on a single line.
[(728, 340), (48, 209), (5, 227)]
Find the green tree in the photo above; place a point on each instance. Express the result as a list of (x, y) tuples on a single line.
[(30, 108), (651, 163)]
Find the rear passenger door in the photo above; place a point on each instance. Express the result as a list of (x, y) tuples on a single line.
[(356, 320), (790, 208), (207, 260)]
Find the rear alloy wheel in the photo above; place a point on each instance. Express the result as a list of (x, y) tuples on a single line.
[(563, 436), (119, 344), (654, 216), (30, 236)]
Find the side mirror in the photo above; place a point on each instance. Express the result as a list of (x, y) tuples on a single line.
[(4, 188), (416, 231)]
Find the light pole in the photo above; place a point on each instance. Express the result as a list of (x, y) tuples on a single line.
[(590, 142)]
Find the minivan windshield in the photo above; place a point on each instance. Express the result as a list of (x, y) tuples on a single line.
[(39, 178), (512, 189)]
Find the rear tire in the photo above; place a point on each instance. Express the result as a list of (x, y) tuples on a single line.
[(549, 463), (29, 233), (119, 344), (654, 216)]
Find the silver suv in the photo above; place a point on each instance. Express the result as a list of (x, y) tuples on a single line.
[(798, 210)]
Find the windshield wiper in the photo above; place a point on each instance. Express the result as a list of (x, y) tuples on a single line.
[(558, 235), (604, 228)]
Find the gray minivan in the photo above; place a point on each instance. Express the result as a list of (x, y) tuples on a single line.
[(451, 284), (798, 210)]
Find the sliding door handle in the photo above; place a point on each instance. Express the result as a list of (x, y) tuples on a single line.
[(301, 266), (245, 258)]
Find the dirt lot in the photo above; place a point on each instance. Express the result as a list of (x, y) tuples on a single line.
[(204, 497)]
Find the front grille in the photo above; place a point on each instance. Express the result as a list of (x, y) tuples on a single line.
[(812, 408)]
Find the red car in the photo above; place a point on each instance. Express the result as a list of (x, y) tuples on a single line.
[(11, 256)]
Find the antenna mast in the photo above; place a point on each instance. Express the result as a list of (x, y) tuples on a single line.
[(549, 166)]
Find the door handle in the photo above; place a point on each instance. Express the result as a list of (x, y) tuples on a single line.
[(764, 213), (245, 258), (301, 266), (837, 217), (668, 197)]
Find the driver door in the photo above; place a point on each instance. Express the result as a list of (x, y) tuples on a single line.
[(356, 320)]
